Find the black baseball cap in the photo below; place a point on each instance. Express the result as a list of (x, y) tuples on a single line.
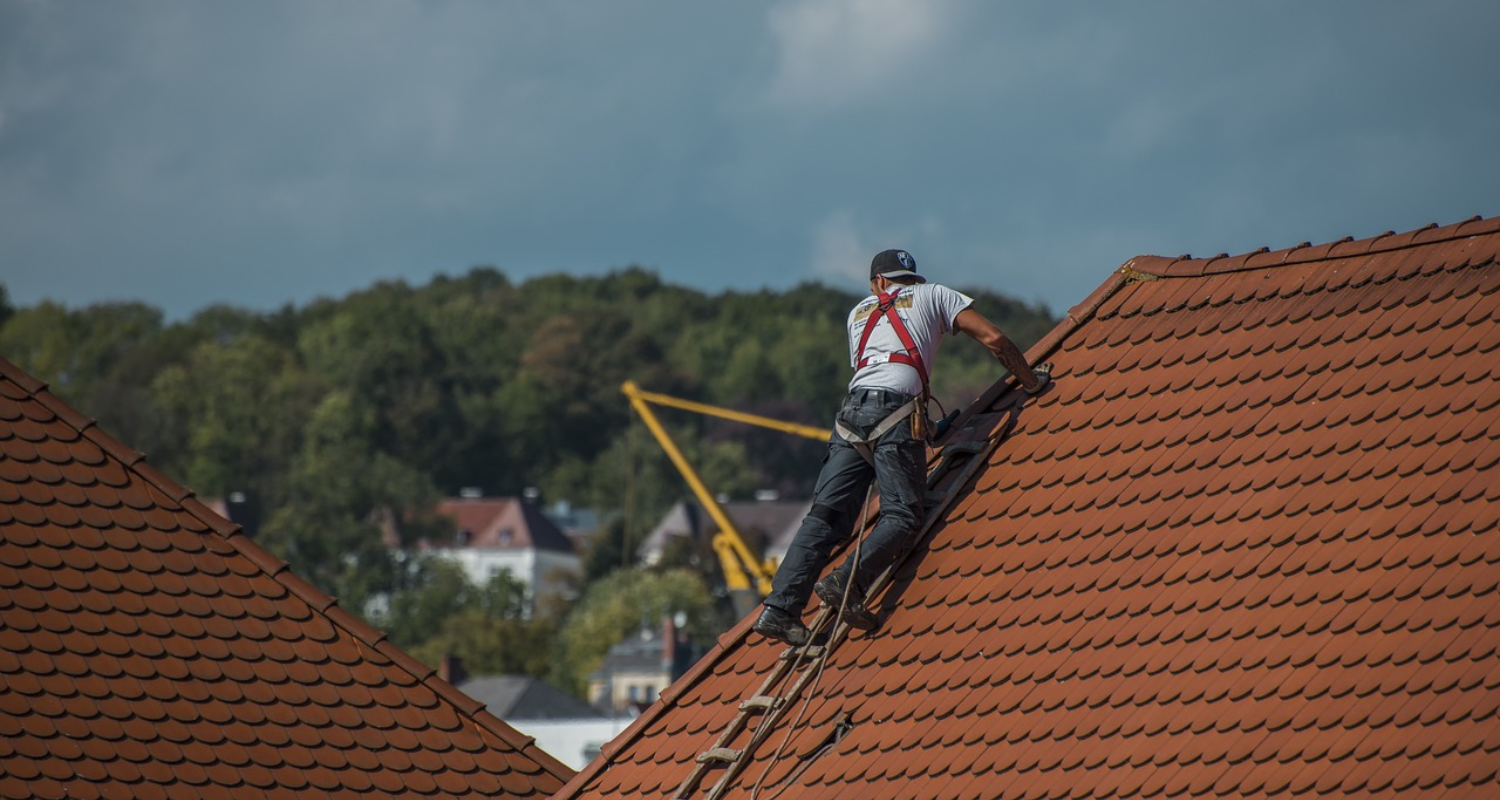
[(895, 264)]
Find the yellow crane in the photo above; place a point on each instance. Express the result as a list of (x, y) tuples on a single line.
[(746, 574)]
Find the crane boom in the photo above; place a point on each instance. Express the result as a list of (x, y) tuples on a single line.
[(635, 392), (746, 575)]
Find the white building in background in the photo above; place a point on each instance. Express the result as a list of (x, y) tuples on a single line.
[(563, 726), (495, 534), (574, 742)]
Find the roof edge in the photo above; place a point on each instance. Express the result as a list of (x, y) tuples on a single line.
[(276, 569), (1048, 344), (1307, 253), (664, 701), (521, 742)]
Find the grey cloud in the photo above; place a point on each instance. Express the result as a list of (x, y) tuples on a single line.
[(265, 152)]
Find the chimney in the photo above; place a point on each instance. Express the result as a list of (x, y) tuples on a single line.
[(677, 652), (451, 669), (668, 642)]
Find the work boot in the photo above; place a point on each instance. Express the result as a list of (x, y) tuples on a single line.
[(831, 591), (777, 624)]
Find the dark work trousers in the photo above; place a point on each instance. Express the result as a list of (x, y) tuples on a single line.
[(900, 470)]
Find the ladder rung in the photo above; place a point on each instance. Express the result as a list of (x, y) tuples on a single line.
[(775, 706), (813, 651), (724, 754), (760, 702)]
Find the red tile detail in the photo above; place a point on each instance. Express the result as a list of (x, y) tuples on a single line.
[(1241, 549), (147, 649)]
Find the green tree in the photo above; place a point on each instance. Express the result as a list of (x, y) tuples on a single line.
[(437, 611), (618, 605), (46, 341), (470, 320), (100, 358), (349, 417), (379, 350), (242, 406), (430, 590), (492, 645), (346, 496)]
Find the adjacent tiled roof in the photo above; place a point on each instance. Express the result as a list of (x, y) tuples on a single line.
[(149, 649), (1245, 547), (504, 522), (522, 697)]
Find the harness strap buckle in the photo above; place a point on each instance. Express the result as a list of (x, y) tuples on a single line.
[(863, 443), (885, 308)]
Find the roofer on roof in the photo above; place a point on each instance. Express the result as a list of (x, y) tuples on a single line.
[(881, 434)]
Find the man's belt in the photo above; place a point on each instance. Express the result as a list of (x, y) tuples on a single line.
[(864, 443)]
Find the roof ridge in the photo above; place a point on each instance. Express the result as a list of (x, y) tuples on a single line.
[(1186, 266), (536, 520), (278, 570)]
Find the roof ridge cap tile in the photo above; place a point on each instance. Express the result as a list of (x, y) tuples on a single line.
[(28, 383), (524, 744), (1306, 253), (276, 569), (445, 691), (1077, 316), (88, 428)]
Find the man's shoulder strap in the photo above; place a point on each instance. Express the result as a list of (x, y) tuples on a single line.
[(886, 308)]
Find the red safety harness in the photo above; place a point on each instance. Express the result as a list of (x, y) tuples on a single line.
[(916, 408), (886, 308)]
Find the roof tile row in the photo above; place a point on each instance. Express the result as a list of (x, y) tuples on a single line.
[(1246, 546), (149, 649)]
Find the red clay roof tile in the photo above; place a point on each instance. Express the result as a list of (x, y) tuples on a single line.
[(1236, 551), (149, 649)]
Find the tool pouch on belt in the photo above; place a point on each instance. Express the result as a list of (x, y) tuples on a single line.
[(921, 425)]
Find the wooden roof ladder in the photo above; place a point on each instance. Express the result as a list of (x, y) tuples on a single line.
[(957, 462)]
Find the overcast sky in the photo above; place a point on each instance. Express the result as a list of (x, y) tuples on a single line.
[(259, 153)]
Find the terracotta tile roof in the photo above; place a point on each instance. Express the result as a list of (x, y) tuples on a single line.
[(149, 649), (1245, 547), (504, 522)]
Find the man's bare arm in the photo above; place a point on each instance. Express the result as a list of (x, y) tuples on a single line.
[(973, 324)]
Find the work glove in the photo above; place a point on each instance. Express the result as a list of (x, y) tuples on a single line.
[(1043, 373)]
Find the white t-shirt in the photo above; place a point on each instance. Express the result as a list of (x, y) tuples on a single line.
[(927, 310)]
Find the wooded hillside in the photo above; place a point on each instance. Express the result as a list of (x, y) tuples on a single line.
[(332, 416)]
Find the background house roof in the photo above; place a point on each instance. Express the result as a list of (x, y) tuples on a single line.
[(761, 522), (522, 697), (1245, 546), (149, 649), (504, 522)]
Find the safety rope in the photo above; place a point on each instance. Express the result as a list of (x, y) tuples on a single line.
[(818, 673)]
